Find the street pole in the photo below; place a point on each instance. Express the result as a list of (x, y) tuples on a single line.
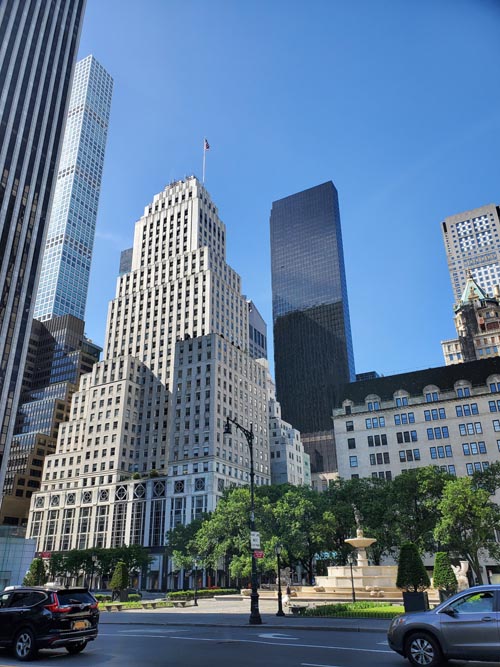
[(255, 618), (280, 611), (350, 557), (195, 582)]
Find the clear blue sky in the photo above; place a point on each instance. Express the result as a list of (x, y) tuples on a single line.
[(396, 101)]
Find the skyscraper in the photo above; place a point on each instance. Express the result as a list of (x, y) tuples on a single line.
[(38, 45), (64, 277), (472, 243), (144, 449), (312, 334)]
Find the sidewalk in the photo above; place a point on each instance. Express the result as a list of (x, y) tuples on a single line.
[(235, 614)]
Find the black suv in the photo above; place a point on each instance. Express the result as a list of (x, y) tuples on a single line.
[(47, 617)]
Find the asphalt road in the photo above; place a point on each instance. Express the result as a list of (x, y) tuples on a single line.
[(186, 646)]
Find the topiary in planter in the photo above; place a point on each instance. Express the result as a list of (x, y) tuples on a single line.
[(412, 575), (412, 578), (443, 576)]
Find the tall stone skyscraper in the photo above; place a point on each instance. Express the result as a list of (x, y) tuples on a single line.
[(472, 243), (144, 449), (38, 45), (64, 278), (312, 334)]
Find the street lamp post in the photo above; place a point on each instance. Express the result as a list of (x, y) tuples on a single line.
[(277, 551), (350, 560), (195, 582), (255, 618), (94, 561)]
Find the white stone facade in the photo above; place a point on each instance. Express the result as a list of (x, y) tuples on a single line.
[(455, 427), (176, 363)]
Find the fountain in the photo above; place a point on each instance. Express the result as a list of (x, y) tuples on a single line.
[(371, 578)]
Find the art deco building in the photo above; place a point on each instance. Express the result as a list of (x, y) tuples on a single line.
[(176, 363), (64, 277), (472, 244), (477, 321), (38, 45)]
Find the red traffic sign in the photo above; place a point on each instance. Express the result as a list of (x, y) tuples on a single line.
[(258, 554)]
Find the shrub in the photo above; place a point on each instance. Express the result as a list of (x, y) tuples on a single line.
[(443, 576), (133, 597), (412, 575), (201, 593), (119, 581)]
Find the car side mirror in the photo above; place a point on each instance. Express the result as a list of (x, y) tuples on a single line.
[(449, 611)]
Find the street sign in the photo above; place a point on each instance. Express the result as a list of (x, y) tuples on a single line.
[(258, 554), (254, 539)]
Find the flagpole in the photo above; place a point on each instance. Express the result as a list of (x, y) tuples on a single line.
[(204, 154)]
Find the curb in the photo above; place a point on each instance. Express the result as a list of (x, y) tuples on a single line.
[(272, 626)]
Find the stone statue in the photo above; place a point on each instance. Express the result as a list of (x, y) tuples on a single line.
[(285, 576), (358, 518), (460, 572)]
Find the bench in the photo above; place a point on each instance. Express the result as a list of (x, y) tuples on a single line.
[(182, 603), (298, 609), (114, 605), (149, 604)]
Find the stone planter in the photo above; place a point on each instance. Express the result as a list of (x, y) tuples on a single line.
[(415, 601)]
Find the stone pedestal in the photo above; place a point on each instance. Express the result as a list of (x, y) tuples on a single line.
[(374, 576)]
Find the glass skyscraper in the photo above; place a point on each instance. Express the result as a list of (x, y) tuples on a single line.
[(67, 258), (38, 45), (312, 333)]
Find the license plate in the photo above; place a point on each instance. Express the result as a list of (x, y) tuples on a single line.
[(81, 625)]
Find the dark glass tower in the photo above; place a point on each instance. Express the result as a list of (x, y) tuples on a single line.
[(38, 45), (312, 334)]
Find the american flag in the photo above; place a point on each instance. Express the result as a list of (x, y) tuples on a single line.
[(207, 145)]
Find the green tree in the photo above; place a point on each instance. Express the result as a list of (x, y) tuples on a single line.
[(119, 580), (413, 506), (468, 519), (412, 575), (443, 576), (305, 525), (37, 574)]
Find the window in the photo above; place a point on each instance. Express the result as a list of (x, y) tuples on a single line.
[(404, 418), (349, 426), (431, 396), (463, 392), (494, 406), (353, 461), (406, 436), (351, 443), (494, 387), (496, 424), (401, 401), (471, 428), (373, 405), (437, 433)]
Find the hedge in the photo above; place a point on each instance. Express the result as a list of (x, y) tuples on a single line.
[(201, 593)]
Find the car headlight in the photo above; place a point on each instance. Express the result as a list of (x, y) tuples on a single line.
[(399, 620)]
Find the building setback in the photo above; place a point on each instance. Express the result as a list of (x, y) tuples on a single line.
[(176, 364), (38, 45), (472, 243), (64, 277), (312, 334)]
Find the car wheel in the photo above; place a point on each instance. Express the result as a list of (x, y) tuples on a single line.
[(73, 649), (24, 646), (423, 650)]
